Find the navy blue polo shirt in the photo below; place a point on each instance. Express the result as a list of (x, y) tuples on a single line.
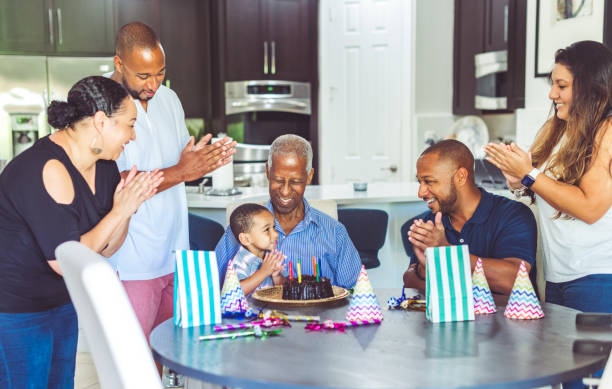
[(499, 228)]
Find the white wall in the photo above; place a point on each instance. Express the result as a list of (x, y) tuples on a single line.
[(433, 64), (537, 106), (434, 74)]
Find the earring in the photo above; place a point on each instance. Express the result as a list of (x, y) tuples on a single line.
[(94, 147)]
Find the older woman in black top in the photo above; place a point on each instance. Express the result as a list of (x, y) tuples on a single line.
[(65, 187)]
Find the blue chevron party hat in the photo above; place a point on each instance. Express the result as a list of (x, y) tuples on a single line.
[(483, 299), (364, 305), (523, 302), (233, 300)]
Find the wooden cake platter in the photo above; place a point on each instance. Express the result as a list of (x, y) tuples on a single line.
[(274, 294)]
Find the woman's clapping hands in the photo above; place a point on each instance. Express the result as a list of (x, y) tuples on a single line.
[(135, 189)]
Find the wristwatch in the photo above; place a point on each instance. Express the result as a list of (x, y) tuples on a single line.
[(519, 192), (530, 178)]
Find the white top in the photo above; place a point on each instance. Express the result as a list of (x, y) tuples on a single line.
[(573, 248), (160, 224)]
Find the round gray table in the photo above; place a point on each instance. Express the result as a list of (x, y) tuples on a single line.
[(405, 351)]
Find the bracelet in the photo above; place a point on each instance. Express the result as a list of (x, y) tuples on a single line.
[(416, 271)]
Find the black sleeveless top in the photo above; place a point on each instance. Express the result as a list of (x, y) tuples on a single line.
[(32, 225)]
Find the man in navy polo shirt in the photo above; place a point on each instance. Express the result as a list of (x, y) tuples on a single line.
[(500, 231)]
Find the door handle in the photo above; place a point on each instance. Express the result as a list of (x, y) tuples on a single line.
[(50, 26), (265, 57), (60, 38), (393, 168), (506, 23), (273, 63)]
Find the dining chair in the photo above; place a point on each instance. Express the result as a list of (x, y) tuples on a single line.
[(367, 228), (204, 233), (118, 346)]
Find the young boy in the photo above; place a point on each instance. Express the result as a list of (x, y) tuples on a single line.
[(253, 227)]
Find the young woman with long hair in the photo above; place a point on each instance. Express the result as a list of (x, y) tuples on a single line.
[(568, 173)]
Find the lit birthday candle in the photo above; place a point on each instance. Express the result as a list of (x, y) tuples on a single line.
[(299, 266), (290, 270), (314, 267)]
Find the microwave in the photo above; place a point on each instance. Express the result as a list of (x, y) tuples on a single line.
[(491, 74)]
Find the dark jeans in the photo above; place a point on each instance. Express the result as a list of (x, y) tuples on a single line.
[(38, 350), (592, 293)]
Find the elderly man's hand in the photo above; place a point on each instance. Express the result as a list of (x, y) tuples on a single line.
[(428, 234), (198, 160)]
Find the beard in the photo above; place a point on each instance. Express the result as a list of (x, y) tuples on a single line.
[(447, 205), (133, 92)]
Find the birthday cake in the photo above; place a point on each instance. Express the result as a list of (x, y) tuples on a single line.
[(308, 289)]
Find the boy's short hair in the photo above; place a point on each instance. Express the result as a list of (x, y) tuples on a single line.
[(241, 220)]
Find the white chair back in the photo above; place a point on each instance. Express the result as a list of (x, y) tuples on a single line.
[(606, 378), (118, 346)]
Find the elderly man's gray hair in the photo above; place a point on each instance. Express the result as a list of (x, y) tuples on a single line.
[(291, 144)]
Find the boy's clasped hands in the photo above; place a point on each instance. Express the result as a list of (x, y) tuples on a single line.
[(273, 263)]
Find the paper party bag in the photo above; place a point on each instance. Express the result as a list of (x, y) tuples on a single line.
[(449, 284), (196, 289)]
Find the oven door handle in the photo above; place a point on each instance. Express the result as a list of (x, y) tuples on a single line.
[(271, 103), (268, 105)]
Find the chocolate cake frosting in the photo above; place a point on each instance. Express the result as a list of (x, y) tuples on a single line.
[(308, 289)]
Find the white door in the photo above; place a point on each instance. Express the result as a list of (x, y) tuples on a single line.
[(364, 93)]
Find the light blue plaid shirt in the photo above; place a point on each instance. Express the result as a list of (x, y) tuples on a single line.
[(246, 263), (317, 235)]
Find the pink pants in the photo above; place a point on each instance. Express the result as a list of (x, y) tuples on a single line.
[(152, 300)]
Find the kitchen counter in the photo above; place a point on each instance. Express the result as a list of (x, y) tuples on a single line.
[(379, 192)]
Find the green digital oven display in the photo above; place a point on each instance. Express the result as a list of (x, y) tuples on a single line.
[(282, 89)]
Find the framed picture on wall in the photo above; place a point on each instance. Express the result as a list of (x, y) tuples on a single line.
[(559, 23)]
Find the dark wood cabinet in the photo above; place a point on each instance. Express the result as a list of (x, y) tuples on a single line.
[(185, 34), (485, 26), (268, 39), (246, 44), (468, 37), (84, 27), (146, 11), (24, 26), (290, 36), (184, 31), (56, 27), (496, 15)]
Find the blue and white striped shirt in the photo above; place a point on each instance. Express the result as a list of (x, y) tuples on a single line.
[(246, 264), (317, 235)]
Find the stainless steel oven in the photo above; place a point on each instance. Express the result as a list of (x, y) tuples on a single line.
[(250, 165), (267, 95), (491, 69), (262, 110)]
